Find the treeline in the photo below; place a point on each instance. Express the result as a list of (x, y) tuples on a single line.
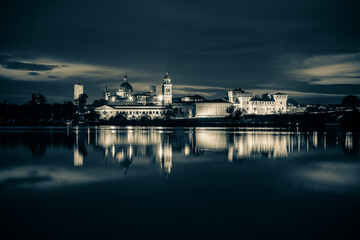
[(30, 114), (36, 112)]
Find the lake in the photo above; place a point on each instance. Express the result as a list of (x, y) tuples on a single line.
[(178, 183)]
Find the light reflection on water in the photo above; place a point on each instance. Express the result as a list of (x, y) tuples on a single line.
[(164, 148), (193, 182)]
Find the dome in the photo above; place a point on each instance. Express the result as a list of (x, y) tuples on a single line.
[(125, 86)]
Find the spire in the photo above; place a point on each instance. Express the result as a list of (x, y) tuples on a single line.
[(125, 78), (166, 75)]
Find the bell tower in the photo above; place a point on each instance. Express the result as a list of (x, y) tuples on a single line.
[(106, 94), (167, 90)]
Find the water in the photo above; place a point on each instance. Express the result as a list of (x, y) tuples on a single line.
[(193, 183)]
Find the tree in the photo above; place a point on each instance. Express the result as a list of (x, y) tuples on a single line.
[(93, 116), (169, 113), (68, 111), (119, 118), (350, 101), (82, 100), (37, 99), (234, 113), (99, 102)]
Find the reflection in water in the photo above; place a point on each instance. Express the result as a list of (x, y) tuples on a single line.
[(349, 141), (128, 180), (251, 145), (124, 145), (78, 157), (81, 155), (158, 146)]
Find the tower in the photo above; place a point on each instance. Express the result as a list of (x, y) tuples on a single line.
[(153, 90), (78, 90), (106, 94), (280, 102), (167, 90)]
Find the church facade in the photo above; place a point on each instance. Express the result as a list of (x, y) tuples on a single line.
[(135, 106)]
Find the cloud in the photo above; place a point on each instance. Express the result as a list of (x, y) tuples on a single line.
[(300, 94), (328, 69), (197, 87), (54, 69), (33, 73), (28, 66), (6, 62)]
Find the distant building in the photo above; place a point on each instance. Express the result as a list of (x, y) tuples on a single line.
[(78, 90), (131, 111), (151, 105), (266, 104), (135, 106), (167, 90), (201, 109), (295, 109), (195, 98)]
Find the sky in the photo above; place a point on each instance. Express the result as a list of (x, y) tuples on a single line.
[(307, 49)]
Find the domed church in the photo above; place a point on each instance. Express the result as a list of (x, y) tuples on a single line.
[(122, 96), (136, 105), (125, 89)]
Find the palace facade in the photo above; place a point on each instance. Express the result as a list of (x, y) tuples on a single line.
[(264, 105)]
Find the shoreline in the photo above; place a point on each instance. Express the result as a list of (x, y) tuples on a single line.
[(293, 122)]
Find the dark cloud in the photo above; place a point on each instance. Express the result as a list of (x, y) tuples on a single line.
[(27, 56), (227, 44), (33, 73), (27, 66)]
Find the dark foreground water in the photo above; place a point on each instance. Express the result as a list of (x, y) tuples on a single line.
[(185, 183)]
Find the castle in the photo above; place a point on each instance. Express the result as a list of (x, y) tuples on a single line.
[(266, 104), (151, 105)]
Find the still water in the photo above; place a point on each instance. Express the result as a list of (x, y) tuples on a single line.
[(193, 183)]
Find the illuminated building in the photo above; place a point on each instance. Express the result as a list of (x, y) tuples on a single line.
[(135, 106), (151, 105), (167, 90), (201, 109), (266, 104), (78, 90)]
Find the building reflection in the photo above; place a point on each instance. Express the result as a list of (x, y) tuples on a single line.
[(254, 145), (349, 141), (165, 158), (158, 146), (162, 147), (78, 158)]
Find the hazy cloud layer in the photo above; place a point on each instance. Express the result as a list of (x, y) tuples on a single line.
[(295, 46), (329, 69)]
